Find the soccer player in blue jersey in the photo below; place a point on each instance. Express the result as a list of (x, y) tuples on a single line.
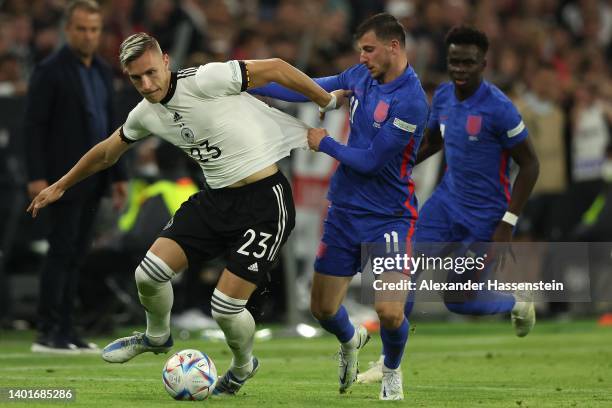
[(480, 130), (371, 192)]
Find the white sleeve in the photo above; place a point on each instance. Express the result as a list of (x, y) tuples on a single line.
[(222, 78), (132, 130)]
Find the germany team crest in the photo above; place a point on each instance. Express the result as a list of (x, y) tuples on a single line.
[(187, 135)]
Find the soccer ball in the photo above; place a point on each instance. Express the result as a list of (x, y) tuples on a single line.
[(189, 375)]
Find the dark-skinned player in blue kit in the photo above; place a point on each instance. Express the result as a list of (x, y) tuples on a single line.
[(371, 193), (479, 129)]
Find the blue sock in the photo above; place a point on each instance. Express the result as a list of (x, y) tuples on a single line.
[(409, 304), (339, 325), (407, 310), (394, 342), (486, 302)]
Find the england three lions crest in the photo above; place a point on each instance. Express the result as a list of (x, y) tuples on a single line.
[(473, 126), (381, 111)]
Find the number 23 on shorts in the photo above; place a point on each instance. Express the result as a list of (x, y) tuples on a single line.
[(257, 245)]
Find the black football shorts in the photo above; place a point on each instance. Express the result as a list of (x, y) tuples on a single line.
[(248, 225)]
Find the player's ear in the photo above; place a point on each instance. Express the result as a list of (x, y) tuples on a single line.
[(394, 45), (166, 59)]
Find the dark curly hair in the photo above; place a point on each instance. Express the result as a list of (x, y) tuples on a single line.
[(467, 36)]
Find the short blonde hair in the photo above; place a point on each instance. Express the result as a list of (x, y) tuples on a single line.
[(134, 46)]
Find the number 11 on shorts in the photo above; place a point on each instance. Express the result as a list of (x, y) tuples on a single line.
[(388, 238)]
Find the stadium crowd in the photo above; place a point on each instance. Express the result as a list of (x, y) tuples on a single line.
[(551, 56)]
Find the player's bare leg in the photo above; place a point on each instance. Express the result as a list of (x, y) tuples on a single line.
[(389, 306), (326, 306), (228, 309), (164, 259), (327, 294)]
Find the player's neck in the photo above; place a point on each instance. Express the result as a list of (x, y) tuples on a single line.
[(396, 70), (167, 84), (465, 93)]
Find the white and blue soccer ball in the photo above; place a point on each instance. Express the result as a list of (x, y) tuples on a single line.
[(189, 375)]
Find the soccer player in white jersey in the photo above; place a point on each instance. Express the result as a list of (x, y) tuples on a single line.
[(246, 210)]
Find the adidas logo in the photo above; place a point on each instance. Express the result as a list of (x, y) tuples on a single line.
[(177, 117), (253, 267)]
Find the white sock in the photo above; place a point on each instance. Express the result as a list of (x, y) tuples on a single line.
[(239, 327), (386, 369), (155, 292), (352, 343)]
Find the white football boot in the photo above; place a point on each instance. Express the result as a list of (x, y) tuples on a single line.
[(229, 384), (391, 388), (348, 365), (126, 348), (373, 374), (523, 313)]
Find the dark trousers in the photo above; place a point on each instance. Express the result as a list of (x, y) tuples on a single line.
[(70, 233)]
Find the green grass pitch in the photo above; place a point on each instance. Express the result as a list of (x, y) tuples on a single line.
[(469, 364)]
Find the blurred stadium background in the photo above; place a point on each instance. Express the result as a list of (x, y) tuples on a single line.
[(551, 56)]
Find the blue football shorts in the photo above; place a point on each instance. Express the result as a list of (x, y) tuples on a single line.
[(345, 231)]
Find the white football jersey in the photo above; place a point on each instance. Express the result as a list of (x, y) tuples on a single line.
[(230, 133)]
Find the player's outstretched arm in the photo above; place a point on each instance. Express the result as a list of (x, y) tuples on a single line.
[(367, 161), (263, 72), (274, 90), (390, 140), (99, 157)]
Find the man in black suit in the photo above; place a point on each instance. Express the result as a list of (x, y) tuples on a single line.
[(69, 110)]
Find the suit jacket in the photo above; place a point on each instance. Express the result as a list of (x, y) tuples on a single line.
[(57, 125)]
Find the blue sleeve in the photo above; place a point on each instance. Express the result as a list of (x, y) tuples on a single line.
[(367, 161), (404, 123), (511, 128), (277, 91)]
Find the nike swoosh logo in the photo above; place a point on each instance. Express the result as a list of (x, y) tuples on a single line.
[(343, 378)]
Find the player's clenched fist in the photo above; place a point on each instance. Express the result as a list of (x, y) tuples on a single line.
[(315, 135), (49, 195)]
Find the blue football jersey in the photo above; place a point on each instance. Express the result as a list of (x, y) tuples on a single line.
[(478, 133), (400, 110)]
